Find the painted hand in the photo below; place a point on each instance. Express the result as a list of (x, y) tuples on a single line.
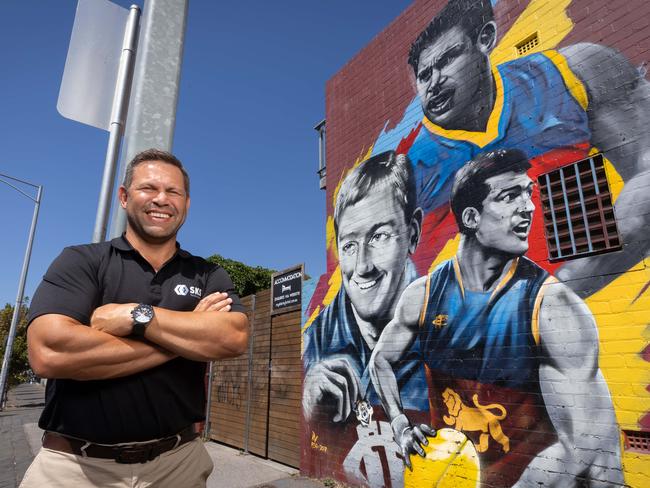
[(114, 318), (331, 384), (214, 302), (410, 438)]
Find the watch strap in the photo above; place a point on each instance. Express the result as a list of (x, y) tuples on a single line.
[(139, 329)]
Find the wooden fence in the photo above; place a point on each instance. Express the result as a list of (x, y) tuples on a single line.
[(255, 400)]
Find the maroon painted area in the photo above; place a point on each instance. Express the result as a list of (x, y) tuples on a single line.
[(519, 413), (618, 24), (644, 423), (645, 354)]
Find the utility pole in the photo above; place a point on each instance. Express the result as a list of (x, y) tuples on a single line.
[(156, 81), (21, 284)]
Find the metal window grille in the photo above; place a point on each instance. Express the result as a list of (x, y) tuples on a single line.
[(528, 44), (638, 441), (578, 211)]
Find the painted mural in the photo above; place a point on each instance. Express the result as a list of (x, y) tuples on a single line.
[(445, 349)]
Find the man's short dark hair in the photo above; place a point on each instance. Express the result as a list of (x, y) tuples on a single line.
[(470, 15), (470, 189), (155, 155), (385, 170)]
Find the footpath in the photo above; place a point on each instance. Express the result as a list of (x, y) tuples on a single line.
[(24, 405), (20, 440)]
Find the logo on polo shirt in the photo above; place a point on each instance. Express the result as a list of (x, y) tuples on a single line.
[(183, 290)]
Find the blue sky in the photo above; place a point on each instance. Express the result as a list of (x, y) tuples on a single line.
[(252, 88)]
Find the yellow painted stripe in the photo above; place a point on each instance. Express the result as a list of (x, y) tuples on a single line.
[(425, 305), (448, 252), (311, 319), (614, 179), (538, 302), (334, 287), (481, 139), (573, 83), (508, 276), (459, 276)]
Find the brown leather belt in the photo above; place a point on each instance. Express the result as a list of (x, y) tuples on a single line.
[(125, 454)]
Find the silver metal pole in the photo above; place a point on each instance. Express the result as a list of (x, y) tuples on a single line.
[(152, 116), (249, 390), (118, 118), (19, 300), (208, 402)]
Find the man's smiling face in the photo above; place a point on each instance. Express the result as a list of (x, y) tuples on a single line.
[(156, 202), (507, 213), (373, 246)]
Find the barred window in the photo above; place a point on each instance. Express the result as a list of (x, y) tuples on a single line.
[(578, 211), (637, 441), (528, 44)]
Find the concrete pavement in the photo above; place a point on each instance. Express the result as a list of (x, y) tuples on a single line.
[(24, 405), (234, 469), (20, 440)]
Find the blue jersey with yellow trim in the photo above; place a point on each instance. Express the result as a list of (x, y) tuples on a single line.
[(482, 365), (486, 337), (539, 106), (335, 333)]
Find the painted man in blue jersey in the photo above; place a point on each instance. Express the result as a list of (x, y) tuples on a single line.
[(336, 338), (501, 338), (581, 97), (377, 226)]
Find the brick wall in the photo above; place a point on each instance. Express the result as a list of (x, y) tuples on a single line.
[(530, 368)]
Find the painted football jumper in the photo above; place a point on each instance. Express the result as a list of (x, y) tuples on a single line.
[(481, 357)]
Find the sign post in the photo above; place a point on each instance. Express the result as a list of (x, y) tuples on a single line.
[(96, 82), (118, 119), (286, 290)]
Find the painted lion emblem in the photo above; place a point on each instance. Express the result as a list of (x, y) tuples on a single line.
[(480, 418)]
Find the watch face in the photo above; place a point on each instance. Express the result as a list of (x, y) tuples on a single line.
[(142, 314)]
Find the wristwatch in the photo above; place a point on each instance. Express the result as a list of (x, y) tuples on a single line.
[(142, 317)]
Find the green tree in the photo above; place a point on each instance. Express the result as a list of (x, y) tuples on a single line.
[(19, 370), (247, 279)]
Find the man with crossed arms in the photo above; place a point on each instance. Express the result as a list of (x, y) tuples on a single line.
[(123, 330)]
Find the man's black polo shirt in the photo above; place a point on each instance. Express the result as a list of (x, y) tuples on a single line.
[(155, 403)]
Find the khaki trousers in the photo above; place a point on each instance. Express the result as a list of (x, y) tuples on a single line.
[(186, 466)]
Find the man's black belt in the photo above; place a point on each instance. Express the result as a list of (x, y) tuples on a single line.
[(125, 453)]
